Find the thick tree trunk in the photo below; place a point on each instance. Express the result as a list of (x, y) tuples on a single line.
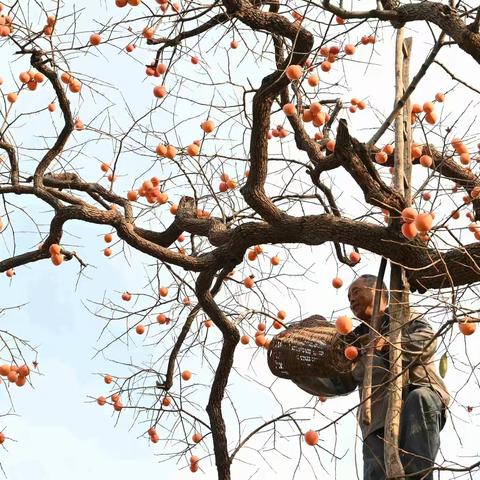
[(231, 337)]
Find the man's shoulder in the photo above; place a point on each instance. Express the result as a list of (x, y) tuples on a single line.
[(417, 321), (416, 315)]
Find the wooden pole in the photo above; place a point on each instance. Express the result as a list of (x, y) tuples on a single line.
[(399, 304), (398, 314), (366, 412), (407, 124)]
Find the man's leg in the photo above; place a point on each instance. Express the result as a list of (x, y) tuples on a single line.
[(420, 424), (373, 466)]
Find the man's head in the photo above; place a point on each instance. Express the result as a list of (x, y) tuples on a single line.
[(361, 294)]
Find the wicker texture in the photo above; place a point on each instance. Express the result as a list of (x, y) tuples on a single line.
[(311, 354)]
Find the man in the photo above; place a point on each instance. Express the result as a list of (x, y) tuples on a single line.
[(425, 397)]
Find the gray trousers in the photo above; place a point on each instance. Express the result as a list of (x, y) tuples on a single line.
[(421, 421)]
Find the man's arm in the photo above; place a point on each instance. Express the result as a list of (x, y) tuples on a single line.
[(418, 343)]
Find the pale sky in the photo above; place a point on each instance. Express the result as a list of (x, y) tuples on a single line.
[(58, 432)]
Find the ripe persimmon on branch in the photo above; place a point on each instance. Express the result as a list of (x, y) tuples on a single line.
[(195, 135)]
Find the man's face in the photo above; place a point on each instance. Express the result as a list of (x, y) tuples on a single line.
[(361, 298)]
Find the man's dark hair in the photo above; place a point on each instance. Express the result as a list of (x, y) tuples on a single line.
[(371, 281)]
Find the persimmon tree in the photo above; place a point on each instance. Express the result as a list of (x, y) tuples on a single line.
[(246, 140)]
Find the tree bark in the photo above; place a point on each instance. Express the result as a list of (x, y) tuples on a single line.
[(231, 337)]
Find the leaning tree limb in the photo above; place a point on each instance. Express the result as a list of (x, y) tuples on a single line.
[(302, 42), (444, 16), (167, 384)]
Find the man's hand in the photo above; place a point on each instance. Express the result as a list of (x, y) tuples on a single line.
[(381, 344)]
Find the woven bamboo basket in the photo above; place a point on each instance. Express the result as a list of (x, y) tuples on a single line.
[(311, 354)]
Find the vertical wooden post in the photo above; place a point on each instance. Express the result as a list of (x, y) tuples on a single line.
[(399, 153), (366, 411), (399, 289), (399, 313), (407, 124)]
